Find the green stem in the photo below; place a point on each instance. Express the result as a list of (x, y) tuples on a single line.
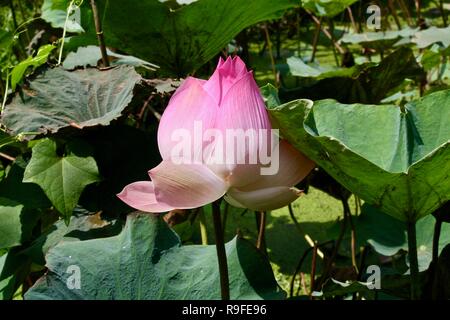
[(225, 215), (315, 40), (418, 11), (413, 262), (442, 10), (329, 264), (353, 236), (261, 242), (203, 231), (69, 10), (313, 270), (5, 96), (221, 253), (272, 59)]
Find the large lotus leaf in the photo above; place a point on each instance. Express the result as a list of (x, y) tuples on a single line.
[(180, 39), (83, 225), (59, 98), (432, 35), (313, 70), (90, 55), (328, 8), (146, 261), (397, 161), (378, 40), (55, 12)]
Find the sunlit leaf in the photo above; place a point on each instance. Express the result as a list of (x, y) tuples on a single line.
[(19, 70), (180, 39), (147, 261), (55, 12), (366, 83), (397, 161), (90, 55), (327, 8)]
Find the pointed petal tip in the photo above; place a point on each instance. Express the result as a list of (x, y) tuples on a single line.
[(239, 66), (220, 63), (140, 195)]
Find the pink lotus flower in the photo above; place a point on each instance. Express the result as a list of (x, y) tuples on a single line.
[(229, 100)]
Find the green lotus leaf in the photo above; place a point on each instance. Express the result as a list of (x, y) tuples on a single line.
[(432, 35), (327, 8), (146, 261), (380, 40), (58, 98), (178, 37), (365, 83), (396, 160)]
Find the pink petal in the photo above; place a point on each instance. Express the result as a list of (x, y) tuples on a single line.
[(242, 109), (293, 167), (243, 106), (224, 77), (239, 66), (141, 196), (190, 107), (185, 186), (221, 62), (261, 199)]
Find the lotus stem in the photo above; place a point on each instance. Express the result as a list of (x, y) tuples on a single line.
[(313, 270), (418, 11), (272, 60), (300, 230), (405, 12), (5, 96), (326, 32), (69, 10), (353, 236), (300, 263), (225, 215), (100, 37), (261, 242), (203, 231), (338, 242), (393, 11), (442, 10), (315, 40), (221, 253), (413, 261), (352, 19)]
